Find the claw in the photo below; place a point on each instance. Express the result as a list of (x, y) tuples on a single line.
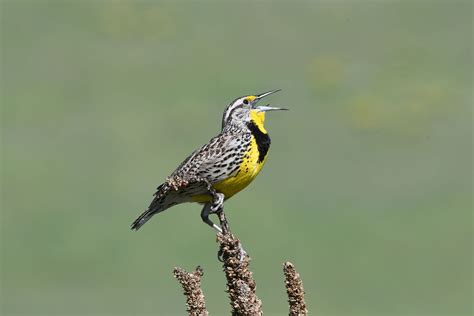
[(217, 228), (220, 255)]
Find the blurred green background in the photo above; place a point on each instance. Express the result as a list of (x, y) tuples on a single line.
[(368, 185)]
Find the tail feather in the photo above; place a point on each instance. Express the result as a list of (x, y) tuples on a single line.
[(142, 219), (164, 198)]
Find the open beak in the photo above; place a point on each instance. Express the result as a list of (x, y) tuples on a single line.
[(265, 108)]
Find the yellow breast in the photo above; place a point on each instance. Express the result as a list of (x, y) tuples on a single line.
[(248, 170)]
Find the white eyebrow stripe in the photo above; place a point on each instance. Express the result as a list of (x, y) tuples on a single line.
[(235, 104)]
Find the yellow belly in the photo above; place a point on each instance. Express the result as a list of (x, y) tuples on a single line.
[(248, 170)]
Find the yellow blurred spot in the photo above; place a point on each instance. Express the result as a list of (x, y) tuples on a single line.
[(325, 72), (408, 110), (366, 113)]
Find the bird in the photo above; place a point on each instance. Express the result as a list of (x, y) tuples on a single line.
[(221, 168)]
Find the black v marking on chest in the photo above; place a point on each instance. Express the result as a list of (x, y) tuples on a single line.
[(262, 139)]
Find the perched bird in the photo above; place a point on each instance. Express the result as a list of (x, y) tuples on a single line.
[(220, 168)]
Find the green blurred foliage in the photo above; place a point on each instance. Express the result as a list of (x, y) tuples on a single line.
[(368, 184)]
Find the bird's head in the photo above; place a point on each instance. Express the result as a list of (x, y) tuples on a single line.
[(245, 109)]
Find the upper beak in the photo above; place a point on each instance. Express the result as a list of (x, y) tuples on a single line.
[(263, 95), (264, 108)]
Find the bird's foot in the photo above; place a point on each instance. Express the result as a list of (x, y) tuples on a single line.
[(220, 255), (218, 229), (217, 203)]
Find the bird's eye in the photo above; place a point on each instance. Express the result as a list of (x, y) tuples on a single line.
[(246, 101)]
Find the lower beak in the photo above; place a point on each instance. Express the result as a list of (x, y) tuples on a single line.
[(266, 108)]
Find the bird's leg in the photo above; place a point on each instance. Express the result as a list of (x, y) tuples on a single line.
[(206, 210), (214, 207), (217, 201), (217, 206)]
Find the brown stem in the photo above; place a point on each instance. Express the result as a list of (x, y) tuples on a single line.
[(294, 289), (240, 283), (223, 222), (191, 283)]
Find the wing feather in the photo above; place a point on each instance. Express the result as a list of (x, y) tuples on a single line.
[(215, 161)]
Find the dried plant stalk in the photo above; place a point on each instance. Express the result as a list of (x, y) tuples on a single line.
[(191, 283), (240, 283), (294, 289)]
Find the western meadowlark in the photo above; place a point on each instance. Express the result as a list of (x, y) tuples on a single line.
[(220, 168)]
